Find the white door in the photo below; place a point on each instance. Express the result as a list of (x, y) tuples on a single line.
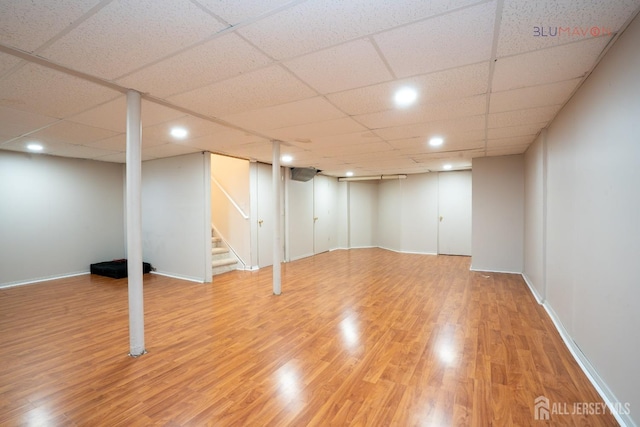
[(454, 211), (322, 210), (265, 216)]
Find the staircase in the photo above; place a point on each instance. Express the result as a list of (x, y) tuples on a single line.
[(222, 259)]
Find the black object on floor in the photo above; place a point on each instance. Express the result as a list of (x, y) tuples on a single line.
[(116, 269)]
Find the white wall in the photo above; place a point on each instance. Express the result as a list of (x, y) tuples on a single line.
[(534, 217), (176, 222), (390, 211), (232, 176), (342, 214), (300, 218), (498, 213), (57, 216), (593, 220), (363, 214), (408, 214), (419, 232)]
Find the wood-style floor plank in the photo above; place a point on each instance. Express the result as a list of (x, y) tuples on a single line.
[(360, 337)]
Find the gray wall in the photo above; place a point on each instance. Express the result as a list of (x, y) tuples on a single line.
[(498, 214), (593, 221), (176, 217), (57, 216)]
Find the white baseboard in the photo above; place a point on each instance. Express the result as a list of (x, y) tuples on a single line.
[(481, 270), (598, 383), (41, 279), (407, 252), (176, 276), (533, 290)]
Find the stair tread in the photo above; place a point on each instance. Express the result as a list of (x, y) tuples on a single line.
[(223, 262), (219, 250)]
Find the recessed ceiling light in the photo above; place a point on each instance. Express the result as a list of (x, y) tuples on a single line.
[(35, 147), (436, 141), (179, 132), (446, 167), (405, 96), (349, 173), (287, 158)]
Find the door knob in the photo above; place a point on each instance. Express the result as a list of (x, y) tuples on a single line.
[(440, 219), (315, 219), (260, 223)]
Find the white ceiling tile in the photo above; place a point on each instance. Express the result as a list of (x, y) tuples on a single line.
[(257, 89), (317, 24), (15, 123), (325, 144), (114, 158), (221, 58), (43, 91), (79, 151), (425, 113), (508, 132), (228, 138), (29, 24), (343, 67), (520, 19), (110, 115), (196, 128), (508, 150), (234, 11), (452, 142), (167, 150), (211, 143), (119, 143), (113, 115), (358, 149), (260, 151), (57, 148), (7, 62), (440, 86), (72, 133), (493, 144), (443, 128), (522, 117), (114, 143), (284, 115), (128, 34), (533, 96), (314, 130), (447, 41), (447, 157), (548, 65)]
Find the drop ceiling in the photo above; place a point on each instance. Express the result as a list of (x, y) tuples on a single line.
[(318, 75)]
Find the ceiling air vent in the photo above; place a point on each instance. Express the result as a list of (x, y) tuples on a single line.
[(303, 174)]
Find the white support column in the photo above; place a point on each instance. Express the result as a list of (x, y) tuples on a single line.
[(134, 224), (277, 246)]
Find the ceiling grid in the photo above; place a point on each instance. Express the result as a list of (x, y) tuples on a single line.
[(319, 75)]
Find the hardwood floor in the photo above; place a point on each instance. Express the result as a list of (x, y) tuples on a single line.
[(360, 337)]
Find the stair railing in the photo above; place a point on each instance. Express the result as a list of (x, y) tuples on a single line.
[(228, 196), (235, 254)]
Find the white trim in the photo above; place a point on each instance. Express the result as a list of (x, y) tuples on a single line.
[(303, 256), (41, 279), (408, 252), (492, 271), (533, 290), (175, 276), (583, 362), (228, 196), (592, 375)]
